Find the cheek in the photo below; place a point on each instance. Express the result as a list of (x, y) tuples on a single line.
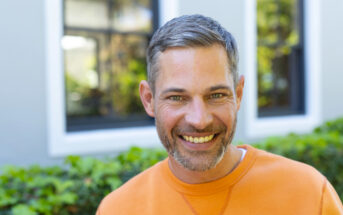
[(168, 116), (226, 114)]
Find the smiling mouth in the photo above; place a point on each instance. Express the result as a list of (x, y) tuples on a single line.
[(203, 139)]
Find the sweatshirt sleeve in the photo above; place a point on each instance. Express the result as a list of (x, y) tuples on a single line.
[(331, 203), (97, 212), (98, 209)]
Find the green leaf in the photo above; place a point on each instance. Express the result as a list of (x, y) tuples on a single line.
[(22, 209)]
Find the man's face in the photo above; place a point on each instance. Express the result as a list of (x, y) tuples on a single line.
[(195, 105)]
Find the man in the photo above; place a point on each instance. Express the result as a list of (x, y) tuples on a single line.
[(194, 93)]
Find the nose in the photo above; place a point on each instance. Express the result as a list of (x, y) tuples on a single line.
[(198, 114)]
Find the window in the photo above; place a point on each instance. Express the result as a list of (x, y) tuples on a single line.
[(89, 140), (280, 57), (281, 66), (104, 46)]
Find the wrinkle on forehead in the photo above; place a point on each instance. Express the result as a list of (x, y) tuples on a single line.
[(203, 67)]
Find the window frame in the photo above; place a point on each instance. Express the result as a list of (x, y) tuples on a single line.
[(61, 142), (257, 127), (296, 71)]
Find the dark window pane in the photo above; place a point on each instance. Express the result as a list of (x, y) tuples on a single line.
[(80, 72), (127, 70), (280, 57), (103, 65)]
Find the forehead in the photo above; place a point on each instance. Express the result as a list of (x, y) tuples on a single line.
[(198, 67)]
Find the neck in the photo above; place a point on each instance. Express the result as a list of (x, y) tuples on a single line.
[(229, 162)]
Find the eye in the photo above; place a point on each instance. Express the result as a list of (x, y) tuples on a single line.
[(216, 95), (175, 98)]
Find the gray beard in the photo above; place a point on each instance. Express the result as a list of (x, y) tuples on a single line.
[(207, 161)]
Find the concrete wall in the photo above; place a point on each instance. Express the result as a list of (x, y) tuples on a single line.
[(332, 58), (22, 88)]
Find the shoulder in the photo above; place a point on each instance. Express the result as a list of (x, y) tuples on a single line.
[(273, 164), (282, 165), (288, 175), (286, 185), (132, 192)]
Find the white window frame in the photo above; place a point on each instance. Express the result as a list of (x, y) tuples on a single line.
[(261, 127), (61, 142)]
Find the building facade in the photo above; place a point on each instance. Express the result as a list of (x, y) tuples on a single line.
[(35, 126)]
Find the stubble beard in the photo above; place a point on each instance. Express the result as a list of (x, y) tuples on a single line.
[(196, 160)]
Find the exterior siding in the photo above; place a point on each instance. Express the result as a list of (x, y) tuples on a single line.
[(22, 89), (332, 67), (23, 109)]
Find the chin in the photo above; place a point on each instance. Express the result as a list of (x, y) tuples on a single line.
[(199, 160)]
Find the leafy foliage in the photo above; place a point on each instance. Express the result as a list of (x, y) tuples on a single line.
[(334, 126), (278, 37), (323, 149), (78, 186)]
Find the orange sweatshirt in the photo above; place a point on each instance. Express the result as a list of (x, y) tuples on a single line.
[(263, 184)]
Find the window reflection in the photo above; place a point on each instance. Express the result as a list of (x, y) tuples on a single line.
[(132, 16), (280, 57), (81, 75), (104, 47), (86, 13)]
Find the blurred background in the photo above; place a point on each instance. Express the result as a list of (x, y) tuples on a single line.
[(72, 126), (70, 71)]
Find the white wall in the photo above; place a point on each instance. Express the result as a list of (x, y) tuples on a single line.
[(22, 88), (332, 58), (23, 122)]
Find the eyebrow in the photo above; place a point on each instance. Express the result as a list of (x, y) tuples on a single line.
[(219, 87), (174, 89), (181, 90)]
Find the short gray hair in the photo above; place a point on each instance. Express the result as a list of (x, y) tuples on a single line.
[(190, 31)]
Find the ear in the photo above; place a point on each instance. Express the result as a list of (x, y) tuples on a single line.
[(239, 91), (147, 98)]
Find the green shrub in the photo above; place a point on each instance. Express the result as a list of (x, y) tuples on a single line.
[(323, 149), (77, 188), (334, 126)]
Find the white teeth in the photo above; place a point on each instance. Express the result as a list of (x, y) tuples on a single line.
[(198, 139)]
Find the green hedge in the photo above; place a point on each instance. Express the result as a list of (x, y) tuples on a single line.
[(334, 126), (78, 186), (323, 151)]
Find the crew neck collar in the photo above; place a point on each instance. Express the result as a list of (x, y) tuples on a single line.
[(213, 186)]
